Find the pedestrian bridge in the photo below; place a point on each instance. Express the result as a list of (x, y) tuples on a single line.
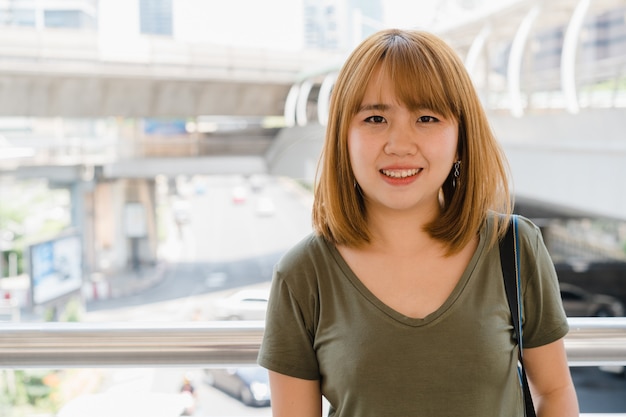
[(69, 73), (552, 76)]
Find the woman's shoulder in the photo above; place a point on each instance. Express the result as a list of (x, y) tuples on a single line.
[(303, 266), (526, 228), (305, 253), (528, 232), (529, 235)]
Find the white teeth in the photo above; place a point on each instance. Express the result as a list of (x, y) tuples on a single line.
[(400, 173)]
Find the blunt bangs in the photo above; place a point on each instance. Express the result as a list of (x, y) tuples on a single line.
[(419, 74)]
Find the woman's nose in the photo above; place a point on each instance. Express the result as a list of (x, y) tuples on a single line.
[(400, 142)]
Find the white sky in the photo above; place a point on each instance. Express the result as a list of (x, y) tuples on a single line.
[(254, 23), (274, 24), (406, 14)]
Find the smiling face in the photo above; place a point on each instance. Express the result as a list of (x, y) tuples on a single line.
[(400, 153), (399, 140)]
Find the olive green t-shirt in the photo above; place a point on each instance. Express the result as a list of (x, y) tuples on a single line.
[(459, 361)]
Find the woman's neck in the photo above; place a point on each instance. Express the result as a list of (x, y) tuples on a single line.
[(401, 232)]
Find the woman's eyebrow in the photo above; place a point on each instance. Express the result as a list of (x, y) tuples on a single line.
[(375, 106)]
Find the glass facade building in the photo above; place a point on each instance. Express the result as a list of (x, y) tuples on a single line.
[(155, 17), (74, 14)]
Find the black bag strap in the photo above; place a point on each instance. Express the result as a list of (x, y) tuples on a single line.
[(512, 284)]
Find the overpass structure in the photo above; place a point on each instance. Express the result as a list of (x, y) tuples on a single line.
[(70, 73), (552, 76)]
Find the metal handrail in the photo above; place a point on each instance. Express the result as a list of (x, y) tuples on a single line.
[(140, 344), (590, 342), (596, 341)]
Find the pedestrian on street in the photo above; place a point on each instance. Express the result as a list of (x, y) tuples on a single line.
[(189, 392), (395, 305)]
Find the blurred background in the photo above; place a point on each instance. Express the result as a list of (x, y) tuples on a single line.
[(157, 158)]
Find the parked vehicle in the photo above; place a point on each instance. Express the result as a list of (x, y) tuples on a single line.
[(247, 304), (579, 302), (249, 384), (239, 194)]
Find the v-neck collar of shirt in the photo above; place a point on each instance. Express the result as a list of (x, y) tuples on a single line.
[(411, 321)]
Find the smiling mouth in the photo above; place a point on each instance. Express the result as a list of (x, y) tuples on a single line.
[(400, 173)]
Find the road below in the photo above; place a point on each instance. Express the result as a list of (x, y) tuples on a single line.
[(225, 242)]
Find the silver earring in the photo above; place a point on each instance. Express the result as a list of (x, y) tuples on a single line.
[(457, 173)]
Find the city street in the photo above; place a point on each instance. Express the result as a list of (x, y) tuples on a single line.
[(225, 242), (598, 391)]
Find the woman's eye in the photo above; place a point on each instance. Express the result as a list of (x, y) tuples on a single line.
[(427, 119), (375, 119)]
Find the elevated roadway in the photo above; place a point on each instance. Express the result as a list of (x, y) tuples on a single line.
[(69, 73)]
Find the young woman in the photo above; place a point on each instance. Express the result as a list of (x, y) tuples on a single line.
[(396, 306)]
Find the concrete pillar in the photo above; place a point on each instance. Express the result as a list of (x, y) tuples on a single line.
[(125, 225), (140, 228), (81, 215)]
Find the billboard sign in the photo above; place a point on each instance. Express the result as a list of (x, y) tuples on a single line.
[(56, 268)]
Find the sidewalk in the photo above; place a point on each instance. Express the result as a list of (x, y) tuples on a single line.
[(124, 283), (103, 287)]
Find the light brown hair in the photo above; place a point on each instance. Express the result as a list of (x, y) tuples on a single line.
[(428, 72)]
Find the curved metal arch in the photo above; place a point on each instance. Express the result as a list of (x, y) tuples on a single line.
[(290, 105), (323, 97), (568, 56), (514, 69), (301, 103), (477, 46)]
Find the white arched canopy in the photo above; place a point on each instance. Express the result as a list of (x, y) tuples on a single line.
[(568, 56), (323, 98), (514, 69)]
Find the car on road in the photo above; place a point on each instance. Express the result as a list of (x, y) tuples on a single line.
[(579, 302), (248, 384), (245, 304), (239, 194)]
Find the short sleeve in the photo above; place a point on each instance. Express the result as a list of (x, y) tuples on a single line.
[(544, 319), (287, 345)]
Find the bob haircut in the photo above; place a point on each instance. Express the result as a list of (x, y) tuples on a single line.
[(427, 72)]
